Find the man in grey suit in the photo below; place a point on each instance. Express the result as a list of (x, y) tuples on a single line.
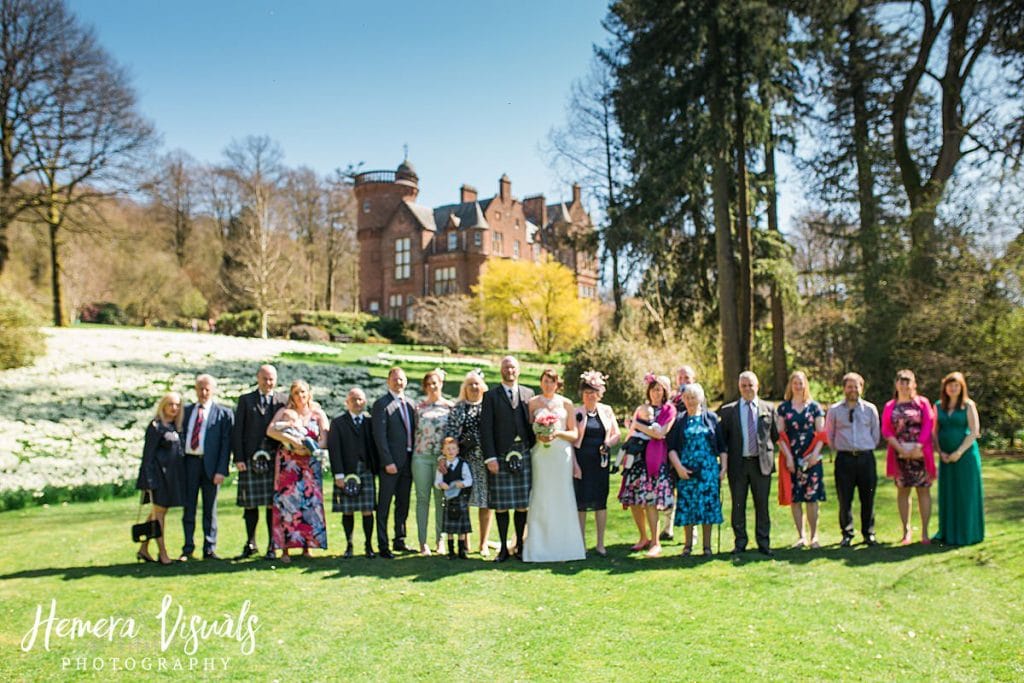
[(208, 428), (394, 427), (504, 427), (748, 428)]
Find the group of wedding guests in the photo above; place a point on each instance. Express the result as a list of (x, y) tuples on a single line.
[(534, 464)]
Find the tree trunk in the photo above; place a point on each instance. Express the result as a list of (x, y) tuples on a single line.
[(53, 220), (725, 259), (264, 320), (746, 285), (700, 235), (780, 369), (613, 250)]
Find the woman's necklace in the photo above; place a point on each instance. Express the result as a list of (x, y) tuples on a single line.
[(592, 413)]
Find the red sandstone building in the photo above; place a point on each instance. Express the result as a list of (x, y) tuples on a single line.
[(407, 251)]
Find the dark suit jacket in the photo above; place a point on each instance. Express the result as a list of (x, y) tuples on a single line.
[(389, 430), (732, 433), (250, 431), (498, 421), (348, 444), (217, 444)]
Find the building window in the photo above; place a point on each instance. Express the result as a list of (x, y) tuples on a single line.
[(536, 251), (515, 248), (444, 281), (402, 258), (374, 306), (395, 306), (366, 206), (410, 309), (517, 224), (497, 243), (453, 240), (478, 239)]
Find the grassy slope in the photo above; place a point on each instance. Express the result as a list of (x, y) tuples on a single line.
[(912, 613)]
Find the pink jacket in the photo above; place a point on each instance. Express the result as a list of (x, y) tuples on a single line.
[(927, 424), (607, 417)]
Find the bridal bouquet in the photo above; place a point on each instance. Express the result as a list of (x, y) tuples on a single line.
[(545, 423)]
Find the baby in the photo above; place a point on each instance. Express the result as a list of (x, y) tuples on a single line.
[(455, 483), (292, 426), (645, 416)]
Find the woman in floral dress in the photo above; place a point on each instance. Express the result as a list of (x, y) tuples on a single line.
[(694, 456), (464, 427), (298, 478), (647, 485), (907, 423), (431, 421), (801, 418)]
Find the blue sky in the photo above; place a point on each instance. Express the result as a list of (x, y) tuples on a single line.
[(471, 87)]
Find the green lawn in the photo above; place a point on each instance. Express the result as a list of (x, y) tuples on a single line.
[(886, 613)]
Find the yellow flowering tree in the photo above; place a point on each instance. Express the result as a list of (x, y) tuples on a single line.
[(542, 297)]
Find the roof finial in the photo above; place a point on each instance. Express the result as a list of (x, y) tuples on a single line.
[(405, 152)]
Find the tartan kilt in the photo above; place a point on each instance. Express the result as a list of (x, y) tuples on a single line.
[(255, 490), (508, 491), (462, 525), (365, 501)]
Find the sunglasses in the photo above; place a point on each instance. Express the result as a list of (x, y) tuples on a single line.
[(902, 379)]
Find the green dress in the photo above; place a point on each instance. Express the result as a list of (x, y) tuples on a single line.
[(961, 508)]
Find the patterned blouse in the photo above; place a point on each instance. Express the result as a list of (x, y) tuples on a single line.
[(432, 420)]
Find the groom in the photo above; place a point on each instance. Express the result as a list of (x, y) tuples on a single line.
[(505, 427)]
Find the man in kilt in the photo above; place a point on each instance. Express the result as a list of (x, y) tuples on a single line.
[(506, 439), (255, 478), (354, 463)]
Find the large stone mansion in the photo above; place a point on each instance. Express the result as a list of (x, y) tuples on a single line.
[(407, 250)]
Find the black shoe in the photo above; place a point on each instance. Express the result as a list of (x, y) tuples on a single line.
[(503, 555), (666, 536), (871, 540), (348, 552), (387, 554), (247, 552), (767, 552), (846, 542), (211, 555), (737, 550), (519, 552), (399, 546), (269, 555)]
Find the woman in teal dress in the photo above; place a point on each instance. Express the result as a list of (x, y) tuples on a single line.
[(695, 444), (961, 498)]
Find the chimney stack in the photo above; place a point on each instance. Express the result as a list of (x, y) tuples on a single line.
[(467, 193), (505, 188)]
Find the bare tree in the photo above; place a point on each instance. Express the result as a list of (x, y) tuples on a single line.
[(84, 138), (306, 200), (445, 320), (588, 150), (257, 241), (174, 196), (341, 249), (29, 30)]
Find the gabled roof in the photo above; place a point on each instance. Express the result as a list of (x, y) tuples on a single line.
[(558, 213), (467, 215), (423, 216)]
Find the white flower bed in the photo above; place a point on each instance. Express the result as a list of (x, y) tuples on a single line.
[(77, 417)]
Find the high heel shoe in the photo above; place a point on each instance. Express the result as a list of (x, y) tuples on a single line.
[(143, 558), (641, 545)]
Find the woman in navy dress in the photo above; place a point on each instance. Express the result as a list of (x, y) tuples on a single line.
[(598, 434), (162, 471), (800, 417), (694, 453)]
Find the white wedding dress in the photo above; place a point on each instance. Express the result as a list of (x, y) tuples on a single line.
[(553, 531)]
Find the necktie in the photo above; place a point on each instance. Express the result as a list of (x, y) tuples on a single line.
[(511, 396), (194, 442), (264, 401), (405, 420), (751, 429), (358, 420)]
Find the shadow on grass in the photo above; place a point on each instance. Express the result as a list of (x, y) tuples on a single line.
[(620, 560)]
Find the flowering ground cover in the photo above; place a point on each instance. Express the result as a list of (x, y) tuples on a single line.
[(71, 425)]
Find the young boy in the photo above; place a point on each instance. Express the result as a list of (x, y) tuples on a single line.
[(455, 483)]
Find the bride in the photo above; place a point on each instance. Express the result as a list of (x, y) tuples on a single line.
[(554, 531)]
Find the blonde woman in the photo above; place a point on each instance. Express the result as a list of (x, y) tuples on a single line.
[(801, 424), (298, 479), (464, 427), (162, 471)]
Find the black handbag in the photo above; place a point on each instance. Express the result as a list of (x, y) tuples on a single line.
[(148, 530)]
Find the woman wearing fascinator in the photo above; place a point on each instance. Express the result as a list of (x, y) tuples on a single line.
[(598, 434), (431, 421)]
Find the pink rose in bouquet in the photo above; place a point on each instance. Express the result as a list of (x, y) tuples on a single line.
[(545, 423)]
